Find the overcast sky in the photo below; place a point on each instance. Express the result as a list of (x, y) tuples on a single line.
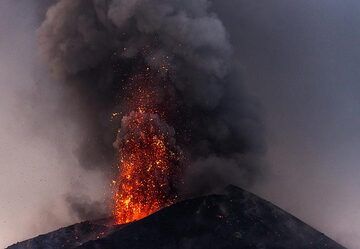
[(300, 58)]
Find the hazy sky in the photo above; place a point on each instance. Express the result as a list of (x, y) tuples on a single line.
[(300, 58), (37, 163)]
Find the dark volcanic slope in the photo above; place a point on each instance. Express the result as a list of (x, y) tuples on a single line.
[(235, 219), (68, 237)]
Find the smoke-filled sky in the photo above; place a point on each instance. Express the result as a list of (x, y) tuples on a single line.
[(298, 58)]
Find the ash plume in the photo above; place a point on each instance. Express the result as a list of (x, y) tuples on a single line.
[(97, 46), (83, 207)]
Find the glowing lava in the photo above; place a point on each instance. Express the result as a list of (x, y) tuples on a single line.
[(149, 165)]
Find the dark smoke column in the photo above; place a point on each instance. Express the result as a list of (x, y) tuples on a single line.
[(97, 47)]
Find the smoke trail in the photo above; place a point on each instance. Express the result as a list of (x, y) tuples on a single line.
[(96, 47)]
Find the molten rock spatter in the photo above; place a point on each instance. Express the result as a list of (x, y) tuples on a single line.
[(149, 167)]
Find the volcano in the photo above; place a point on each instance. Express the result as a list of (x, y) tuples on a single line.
[(233, 219)]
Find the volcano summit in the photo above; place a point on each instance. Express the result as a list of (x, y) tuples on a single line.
[(231, 220)]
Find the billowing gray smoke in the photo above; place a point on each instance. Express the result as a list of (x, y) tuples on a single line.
[(97, 46)]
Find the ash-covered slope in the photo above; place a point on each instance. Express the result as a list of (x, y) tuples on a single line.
[(69, 237), (234, 219)]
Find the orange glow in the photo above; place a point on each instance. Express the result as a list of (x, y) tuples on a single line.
[(148, 161)]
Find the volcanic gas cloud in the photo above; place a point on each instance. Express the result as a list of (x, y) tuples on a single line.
[(156, 86)]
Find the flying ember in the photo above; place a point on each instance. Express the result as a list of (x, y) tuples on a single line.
[(149, 162)]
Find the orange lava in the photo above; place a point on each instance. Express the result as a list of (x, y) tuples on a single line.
[(148, 164)]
